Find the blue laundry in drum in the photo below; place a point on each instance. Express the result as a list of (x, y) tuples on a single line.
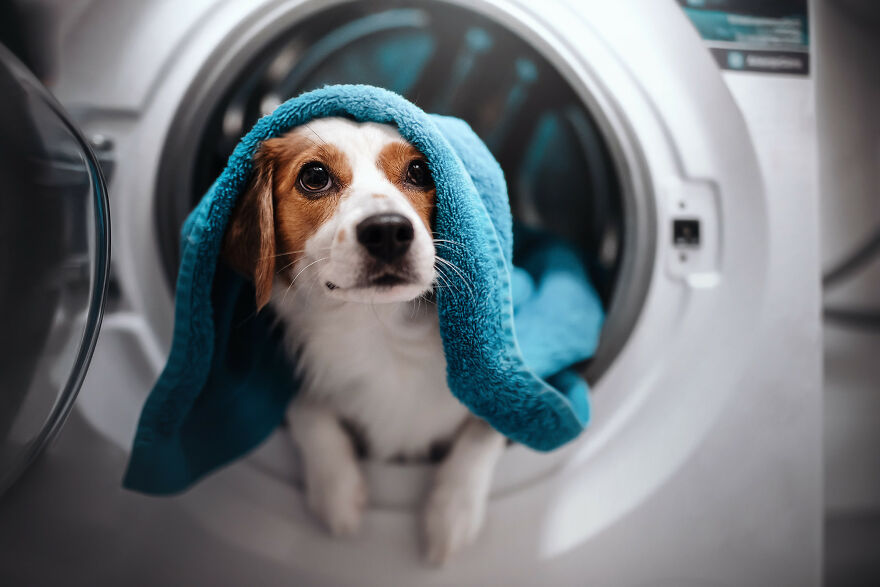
[(512, 336)]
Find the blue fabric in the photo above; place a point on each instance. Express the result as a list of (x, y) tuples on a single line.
[(511, 335)]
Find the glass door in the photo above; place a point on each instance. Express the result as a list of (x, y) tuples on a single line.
[(54, 265)]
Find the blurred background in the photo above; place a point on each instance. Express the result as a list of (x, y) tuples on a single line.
[(715, 161), (847, 33)]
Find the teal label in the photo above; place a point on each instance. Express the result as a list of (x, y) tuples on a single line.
[(768, 36)]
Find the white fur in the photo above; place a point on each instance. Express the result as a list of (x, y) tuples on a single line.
[(456, 506), (374, 357)]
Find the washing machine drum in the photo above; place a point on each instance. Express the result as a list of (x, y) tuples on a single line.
[(54, 264), (445, 59)]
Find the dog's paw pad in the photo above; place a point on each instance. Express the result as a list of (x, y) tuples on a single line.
[(339, 500), (453, 519)]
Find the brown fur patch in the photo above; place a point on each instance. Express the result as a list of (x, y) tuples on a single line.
[(275, 213), (394, 161), (249, 241)]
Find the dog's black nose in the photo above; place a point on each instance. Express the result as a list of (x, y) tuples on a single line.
[(386, 236)]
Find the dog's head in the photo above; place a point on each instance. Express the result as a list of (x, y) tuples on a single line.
[(349, 203)]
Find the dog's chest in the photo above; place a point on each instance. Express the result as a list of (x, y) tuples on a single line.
[(383, 369)]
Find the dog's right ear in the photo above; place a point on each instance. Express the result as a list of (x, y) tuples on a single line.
[(249, 241)]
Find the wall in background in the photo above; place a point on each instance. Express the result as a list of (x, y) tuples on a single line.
[(846, 47)]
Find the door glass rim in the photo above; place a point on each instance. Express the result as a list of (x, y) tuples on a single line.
[(100, 272)]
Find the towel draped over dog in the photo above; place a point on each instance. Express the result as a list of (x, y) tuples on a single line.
[(511, 334)]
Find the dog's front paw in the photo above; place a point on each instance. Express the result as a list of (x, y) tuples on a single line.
[(453, 518), (338, 497)]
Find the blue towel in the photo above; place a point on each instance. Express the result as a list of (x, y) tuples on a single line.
[(511, 334)]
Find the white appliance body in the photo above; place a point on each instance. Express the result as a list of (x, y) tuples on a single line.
[(703, 461)]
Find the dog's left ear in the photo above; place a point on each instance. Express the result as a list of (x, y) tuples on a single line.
[(249, 242)]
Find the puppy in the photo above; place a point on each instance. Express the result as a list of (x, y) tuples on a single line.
[(335, 231)]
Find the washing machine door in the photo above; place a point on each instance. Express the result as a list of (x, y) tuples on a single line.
[(54, 265)]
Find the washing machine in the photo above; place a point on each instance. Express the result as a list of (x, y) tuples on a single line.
[(683, 168)]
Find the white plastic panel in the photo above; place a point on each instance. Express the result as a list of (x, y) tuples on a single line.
[(695, 256)]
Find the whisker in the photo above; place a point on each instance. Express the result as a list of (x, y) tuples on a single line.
[(443, 240), (441, 277), (424, 298), (445, 281), (297, 261), (306, 267), (457, 247), (292, 263), (313, 143), (300, 273), (458, 271), (288, 265), (282, 254), (320, 138), (320, 250)]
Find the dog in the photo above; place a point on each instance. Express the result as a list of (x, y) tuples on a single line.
[(335, 230)]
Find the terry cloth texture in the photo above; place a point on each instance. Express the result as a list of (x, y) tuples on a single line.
[(511, 334)]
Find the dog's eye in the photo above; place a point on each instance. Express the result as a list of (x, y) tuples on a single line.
[(418, 174), (314, 177)]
